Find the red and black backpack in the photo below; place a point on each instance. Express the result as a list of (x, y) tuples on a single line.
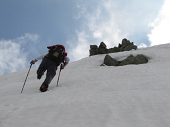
[(57, 53)]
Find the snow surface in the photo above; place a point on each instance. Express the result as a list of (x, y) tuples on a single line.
[(90, 95)]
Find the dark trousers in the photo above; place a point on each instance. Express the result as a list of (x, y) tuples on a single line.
[(49, 66)]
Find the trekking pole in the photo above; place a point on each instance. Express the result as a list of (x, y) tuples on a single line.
[(26, 78), (59, 75)]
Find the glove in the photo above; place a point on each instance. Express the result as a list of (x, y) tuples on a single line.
[(62, 66), (33, 61)]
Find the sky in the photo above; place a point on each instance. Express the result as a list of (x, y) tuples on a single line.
[(92, 95), (28, 27)]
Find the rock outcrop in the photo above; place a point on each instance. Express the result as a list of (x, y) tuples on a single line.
[(139, 59), (126, 45)]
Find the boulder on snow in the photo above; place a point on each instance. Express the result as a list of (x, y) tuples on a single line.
[(139, 59), (109, 61)]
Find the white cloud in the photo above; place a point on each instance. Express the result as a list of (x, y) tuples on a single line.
[(161, 26), (111, 21), (103, 26), (96, 27), (81, 49), (27, 37), (142, 45), (13, 57)]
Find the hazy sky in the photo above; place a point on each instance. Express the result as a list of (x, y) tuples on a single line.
[(27, 27)]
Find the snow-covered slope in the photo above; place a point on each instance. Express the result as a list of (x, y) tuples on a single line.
[(90, 95)]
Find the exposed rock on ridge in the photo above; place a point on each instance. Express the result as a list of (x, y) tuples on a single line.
[(126, 45)]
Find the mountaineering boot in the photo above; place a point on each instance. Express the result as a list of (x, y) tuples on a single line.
[(40, 72), (43, 88)]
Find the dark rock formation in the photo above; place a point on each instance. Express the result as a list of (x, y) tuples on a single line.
[(109, 61), (139, 59), (93, 50), (102, 48), (126, 45), (102, 45), (113, 50)]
